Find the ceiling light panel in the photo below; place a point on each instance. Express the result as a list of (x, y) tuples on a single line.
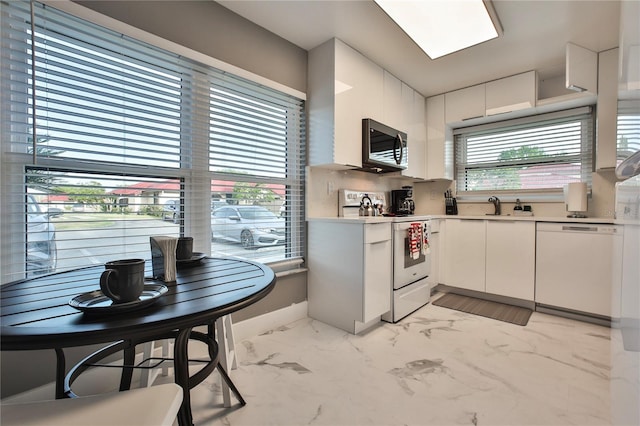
[(441, 27)]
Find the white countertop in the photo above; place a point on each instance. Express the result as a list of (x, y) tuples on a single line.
[(417, 218)]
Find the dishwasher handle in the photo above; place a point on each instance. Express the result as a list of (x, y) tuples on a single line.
[(579, 228)]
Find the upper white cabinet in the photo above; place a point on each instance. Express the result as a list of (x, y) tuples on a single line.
[(629, 61), (606, 135), (500, 96), (511, 94), (393, 103), (511, 259), (416, 134), (581, 72), (439, 140), (343, 88), (465, 104), (577, 87)]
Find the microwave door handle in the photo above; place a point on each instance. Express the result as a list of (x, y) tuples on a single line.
[(400, 145)]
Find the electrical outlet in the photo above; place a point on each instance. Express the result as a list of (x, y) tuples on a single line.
[(330, 187)]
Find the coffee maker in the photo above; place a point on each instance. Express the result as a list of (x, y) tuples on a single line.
[(402, 201)]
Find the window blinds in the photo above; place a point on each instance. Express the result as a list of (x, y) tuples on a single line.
[(628, 128), (544, 152), (132, 141)]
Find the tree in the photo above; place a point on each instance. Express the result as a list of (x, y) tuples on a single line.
[(86, 193), (255, 193), (506, 177), (521, 153), (36, 177)]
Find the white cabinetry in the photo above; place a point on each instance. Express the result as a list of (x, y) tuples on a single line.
[(437, 226), (439, 140), (465, 104), (350, 273), (607, 109), (629, 61), (393, 103), (511, 94), (416, 134), (500, 96), (581, 71), (464, 263), (510, 258), (344, 87)]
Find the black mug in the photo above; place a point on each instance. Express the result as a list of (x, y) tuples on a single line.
[(184, 250), (123, 280)]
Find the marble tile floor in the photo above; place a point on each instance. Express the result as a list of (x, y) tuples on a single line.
[(436, 367)]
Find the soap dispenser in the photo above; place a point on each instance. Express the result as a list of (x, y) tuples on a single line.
[(518, 206)]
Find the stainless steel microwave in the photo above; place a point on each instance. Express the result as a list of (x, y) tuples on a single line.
[(384, 149)]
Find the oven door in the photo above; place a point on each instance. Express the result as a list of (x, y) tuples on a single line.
[(408, 267)]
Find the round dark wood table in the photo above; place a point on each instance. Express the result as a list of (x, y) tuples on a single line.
[(36, 314)]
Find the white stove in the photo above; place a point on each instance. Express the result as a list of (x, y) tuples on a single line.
[(410, 289)]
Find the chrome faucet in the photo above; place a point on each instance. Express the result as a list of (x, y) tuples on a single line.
[(496, 205)]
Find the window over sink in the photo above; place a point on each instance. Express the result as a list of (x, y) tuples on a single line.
[(538, 154)]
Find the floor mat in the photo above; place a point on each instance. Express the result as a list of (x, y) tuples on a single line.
[(485, 308)]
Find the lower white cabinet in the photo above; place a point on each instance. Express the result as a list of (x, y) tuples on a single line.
[(464, 254), (510, 259), (350, 273), (435, 245), (490, 256)]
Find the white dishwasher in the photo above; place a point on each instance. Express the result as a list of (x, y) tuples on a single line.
[(578, 267)]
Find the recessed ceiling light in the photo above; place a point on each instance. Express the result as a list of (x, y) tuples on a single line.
[(441, 27)]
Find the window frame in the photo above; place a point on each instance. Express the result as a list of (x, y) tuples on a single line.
[(192, 172), (586, 156)]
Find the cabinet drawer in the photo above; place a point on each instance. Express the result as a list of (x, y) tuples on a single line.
[(377, 232)]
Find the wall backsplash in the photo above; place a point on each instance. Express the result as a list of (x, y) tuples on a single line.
[(323, 185)]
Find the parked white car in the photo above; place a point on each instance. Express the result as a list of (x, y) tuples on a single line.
[(251, 226), (42, 253)]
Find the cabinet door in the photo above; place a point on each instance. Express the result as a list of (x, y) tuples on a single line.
[(434, 275), (465, 104), (465, 254), (417, 138), (392, 102), (511, 250), (511, 93), (439, 141), (607, 110), (358, 95), (377, 279), (581, 69)]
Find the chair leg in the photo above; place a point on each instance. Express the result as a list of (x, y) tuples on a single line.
[(145, 374), (165, 354), (228, 357), (230, 384)]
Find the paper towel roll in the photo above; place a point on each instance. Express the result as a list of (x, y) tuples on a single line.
[(575, 197)]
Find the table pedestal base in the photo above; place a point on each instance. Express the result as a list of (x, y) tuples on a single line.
[(180, 360)]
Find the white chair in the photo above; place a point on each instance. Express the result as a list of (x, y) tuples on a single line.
[(226, 347), (153, 406), (228, 355), (148, 376)]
